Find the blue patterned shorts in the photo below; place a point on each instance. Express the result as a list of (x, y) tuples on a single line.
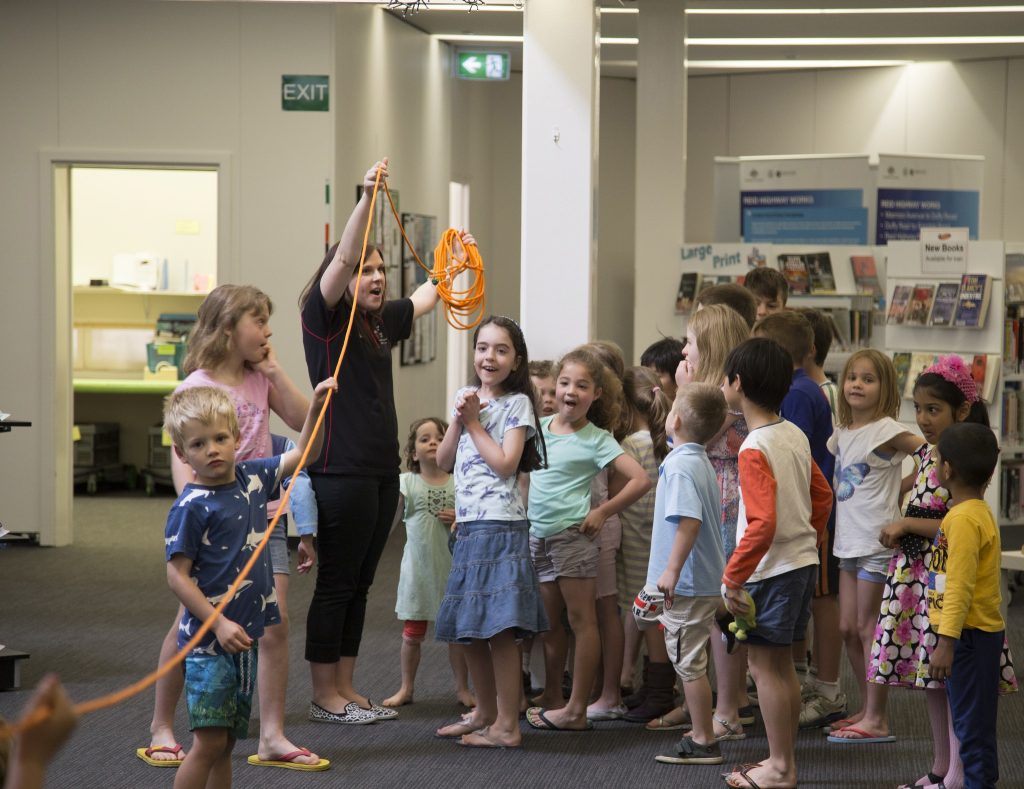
[(218, 691)]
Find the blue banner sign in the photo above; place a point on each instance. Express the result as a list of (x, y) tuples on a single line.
[(903, 212), (804, 216)]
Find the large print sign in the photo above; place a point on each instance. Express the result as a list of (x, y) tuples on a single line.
[(927, 191)]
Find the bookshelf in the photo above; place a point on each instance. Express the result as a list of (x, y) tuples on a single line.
[(1011, 478), (903, 266)]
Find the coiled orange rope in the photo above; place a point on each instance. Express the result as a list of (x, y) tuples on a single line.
[(463, 309), (442, 273)]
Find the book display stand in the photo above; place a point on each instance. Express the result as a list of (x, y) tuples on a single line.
[(914, 338)]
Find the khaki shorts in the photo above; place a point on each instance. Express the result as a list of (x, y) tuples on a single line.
[(568, 554), (687, 629)]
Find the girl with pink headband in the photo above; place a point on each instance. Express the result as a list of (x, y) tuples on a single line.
[(944, 394)]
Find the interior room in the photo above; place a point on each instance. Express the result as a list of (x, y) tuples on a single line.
[(152, 150)]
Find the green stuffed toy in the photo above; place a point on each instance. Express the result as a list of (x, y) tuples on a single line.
[(740, 626)]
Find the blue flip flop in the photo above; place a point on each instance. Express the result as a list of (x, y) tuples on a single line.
[(862, 738)]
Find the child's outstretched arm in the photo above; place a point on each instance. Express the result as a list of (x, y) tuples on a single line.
[(35, 748), (285, 398), (449, 444), (231, 635), (425, 297), (907, 443), (346, 259), (503, 458), (637, 483), (686, 535), (290, 460)]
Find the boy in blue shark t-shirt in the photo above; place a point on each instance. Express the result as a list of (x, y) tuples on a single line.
[(688, 557), (212, 528)]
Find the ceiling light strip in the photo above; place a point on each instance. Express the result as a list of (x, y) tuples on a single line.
[(857, 41)]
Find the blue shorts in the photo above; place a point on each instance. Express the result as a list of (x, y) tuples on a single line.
[(783, 605), (218, 691), (874, 569)]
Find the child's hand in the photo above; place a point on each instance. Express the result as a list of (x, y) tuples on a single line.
[(371, 175), (470, 409), (891, 534), (667, 586), (268, 364), (736, 602), (593, 523), (322, 388), (307, 554), (38, 744), (231, 636), (466, 239), (685, 373), (447, 517), (940, 664)]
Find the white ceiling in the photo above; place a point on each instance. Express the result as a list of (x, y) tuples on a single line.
[(865, 18)]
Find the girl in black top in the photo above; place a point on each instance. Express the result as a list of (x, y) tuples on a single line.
[(356, 476)]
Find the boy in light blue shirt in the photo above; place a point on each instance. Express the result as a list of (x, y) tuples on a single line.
[(688, 558)]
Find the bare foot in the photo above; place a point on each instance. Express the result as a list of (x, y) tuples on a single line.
[(468, 723), (764, 776), (557, 720), (401, 698), (489, 737), (466, 699), (860, 731), (163, 737), (850, 720)]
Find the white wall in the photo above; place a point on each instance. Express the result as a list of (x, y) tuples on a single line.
[(194, 83)]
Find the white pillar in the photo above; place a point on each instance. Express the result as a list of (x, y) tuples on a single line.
[(660, 168), (561, 61)]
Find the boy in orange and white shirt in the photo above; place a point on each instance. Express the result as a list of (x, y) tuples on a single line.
[(785, 502)]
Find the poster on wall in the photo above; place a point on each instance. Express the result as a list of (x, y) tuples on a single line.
[(387, 236), (927, 191), (421, 347), (805, 200)]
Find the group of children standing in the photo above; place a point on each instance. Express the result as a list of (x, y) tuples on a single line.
[(737, 481)]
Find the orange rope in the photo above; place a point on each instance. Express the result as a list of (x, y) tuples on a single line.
[(459, 306), (463, 309)]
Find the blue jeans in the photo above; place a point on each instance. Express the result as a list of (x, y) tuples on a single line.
[(973, 690)]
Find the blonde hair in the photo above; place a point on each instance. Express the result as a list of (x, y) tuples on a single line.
[(605, 411), (888, 394), (203, 404), (718, 329), (410, 444), (220, 312), (644, 400), (610, 354), (701, 408)]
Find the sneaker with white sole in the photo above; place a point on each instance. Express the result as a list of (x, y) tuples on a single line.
[(352, 714), (820, 711), (686, 751)]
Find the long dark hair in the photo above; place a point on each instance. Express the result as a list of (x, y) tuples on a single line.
[(369, 325), (535, 454)]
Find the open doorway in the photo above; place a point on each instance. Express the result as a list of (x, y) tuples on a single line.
[(134, 240)]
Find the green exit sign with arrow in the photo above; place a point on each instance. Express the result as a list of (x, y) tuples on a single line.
[(482, 65)]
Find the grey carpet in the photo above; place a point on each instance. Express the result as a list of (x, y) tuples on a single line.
[(96, 612)]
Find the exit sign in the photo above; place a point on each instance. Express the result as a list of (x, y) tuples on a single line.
[(304, 93), (482, 65)]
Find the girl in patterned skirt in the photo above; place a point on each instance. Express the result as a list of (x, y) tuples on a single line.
[(945, 393)]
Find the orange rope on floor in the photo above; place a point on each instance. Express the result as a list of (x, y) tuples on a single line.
[(459, 307)]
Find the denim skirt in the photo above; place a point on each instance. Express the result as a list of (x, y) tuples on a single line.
[(492, 586)]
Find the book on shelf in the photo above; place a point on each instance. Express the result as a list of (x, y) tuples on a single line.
[(819, 269), (920, 306), (865, 275), (975, 292), (919, 362), (794, 269), (944, 303), (985, 370), (899, 302), (689, 286), (1014, 278), (901, 361)]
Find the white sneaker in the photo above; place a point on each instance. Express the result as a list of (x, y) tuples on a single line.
[(819, 711)]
